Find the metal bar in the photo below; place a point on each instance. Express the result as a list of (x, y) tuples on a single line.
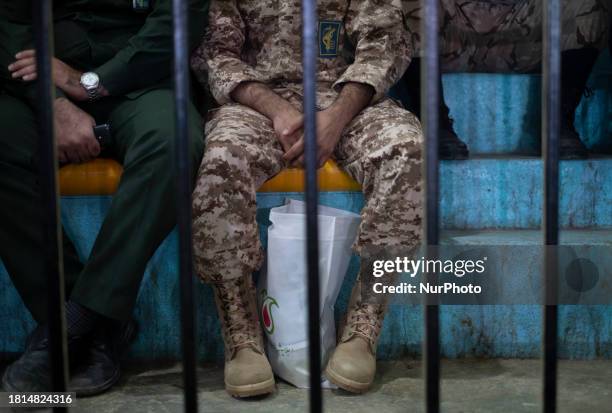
[(184, 189), (42, 14), (309, 63), (430, 101), (551, 126)]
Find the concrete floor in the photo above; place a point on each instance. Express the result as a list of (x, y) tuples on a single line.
[(467, 386)]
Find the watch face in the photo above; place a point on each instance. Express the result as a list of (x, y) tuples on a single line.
[(90, 80)]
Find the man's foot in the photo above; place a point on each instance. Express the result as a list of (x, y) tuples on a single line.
[(352, 366), (32, 371), (248, 374), (247, 369), (99, 368)]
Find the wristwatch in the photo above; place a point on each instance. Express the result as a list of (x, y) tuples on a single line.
[(91, 83)]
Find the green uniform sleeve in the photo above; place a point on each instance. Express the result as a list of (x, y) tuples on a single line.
[(15, 36), (147, 57)]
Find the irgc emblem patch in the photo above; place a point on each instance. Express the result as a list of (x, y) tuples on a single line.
[(266, 311), (141, 5), (329, 33)]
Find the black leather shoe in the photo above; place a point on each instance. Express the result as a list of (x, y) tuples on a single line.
[(32, 371), (99, 368)]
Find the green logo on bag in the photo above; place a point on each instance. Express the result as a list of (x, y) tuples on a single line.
[(266, 311)]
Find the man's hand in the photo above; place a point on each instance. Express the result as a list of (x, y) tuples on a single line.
[(64, 77), (76, 142), (329, 132), (331, 123), (288, 125), (286, 119)]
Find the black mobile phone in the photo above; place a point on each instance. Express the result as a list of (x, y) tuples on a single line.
[(103, 134)]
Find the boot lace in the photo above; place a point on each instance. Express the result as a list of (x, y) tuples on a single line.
[(366, 321), (239, 329)]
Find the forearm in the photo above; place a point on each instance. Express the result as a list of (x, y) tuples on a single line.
[(69, 81), (261, 98), (146, 59), (353, 98)]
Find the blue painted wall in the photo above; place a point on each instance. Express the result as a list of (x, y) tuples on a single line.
[(482, 331), (505, 193)]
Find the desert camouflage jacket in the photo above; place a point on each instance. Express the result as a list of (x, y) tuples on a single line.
[(260, 40)]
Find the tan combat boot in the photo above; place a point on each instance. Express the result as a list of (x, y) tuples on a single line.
[(247, 370), (353, 365)]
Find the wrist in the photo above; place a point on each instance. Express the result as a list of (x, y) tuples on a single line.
[(74, 77), (68, 78), (275, 107), (281, 109), (91, 87), (70, 83), (338, 113)]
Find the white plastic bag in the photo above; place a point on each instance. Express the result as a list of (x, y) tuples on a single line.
[(282, 286)]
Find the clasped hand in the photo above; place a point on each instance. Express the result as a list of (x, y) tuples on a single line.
[(74, 135), (289, 127)]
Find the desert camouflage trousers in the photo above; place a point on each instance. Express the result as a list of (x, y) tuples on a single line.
[(506, 35), (381, 149)]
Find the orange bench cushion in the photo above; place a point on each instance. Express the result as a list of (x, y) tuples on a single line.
[(101, 177)]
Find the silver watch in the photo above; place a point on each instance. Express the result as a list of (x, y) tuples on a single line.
[(91, 83)]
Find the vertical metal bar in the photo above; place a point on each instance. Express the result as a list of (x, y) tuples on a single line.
[(430, 96), (184, 188), (551, 126), (52, 230), (309, 63)]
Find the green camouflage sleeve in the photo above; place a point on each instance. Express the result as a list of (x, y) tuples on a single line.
[(221, 52), (382, 48)]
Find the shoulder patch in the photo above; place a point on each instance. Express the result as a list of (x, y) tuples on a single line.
[(329, 35)]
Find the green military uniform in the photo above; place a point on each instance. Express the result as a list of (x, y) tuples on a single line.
[(128, 43)]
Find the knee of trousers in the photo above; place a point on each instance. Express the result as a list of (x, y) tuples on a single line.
[(399, 158), (227, 164), (157, 148)]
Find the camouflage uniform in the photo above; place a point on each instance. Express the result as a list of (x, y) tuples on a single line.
[(381, 148), (506, 35)]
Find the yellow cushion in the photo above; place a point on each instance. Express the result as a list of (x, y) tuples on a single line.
[(101, 177), (331, 178), (98, 177)]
